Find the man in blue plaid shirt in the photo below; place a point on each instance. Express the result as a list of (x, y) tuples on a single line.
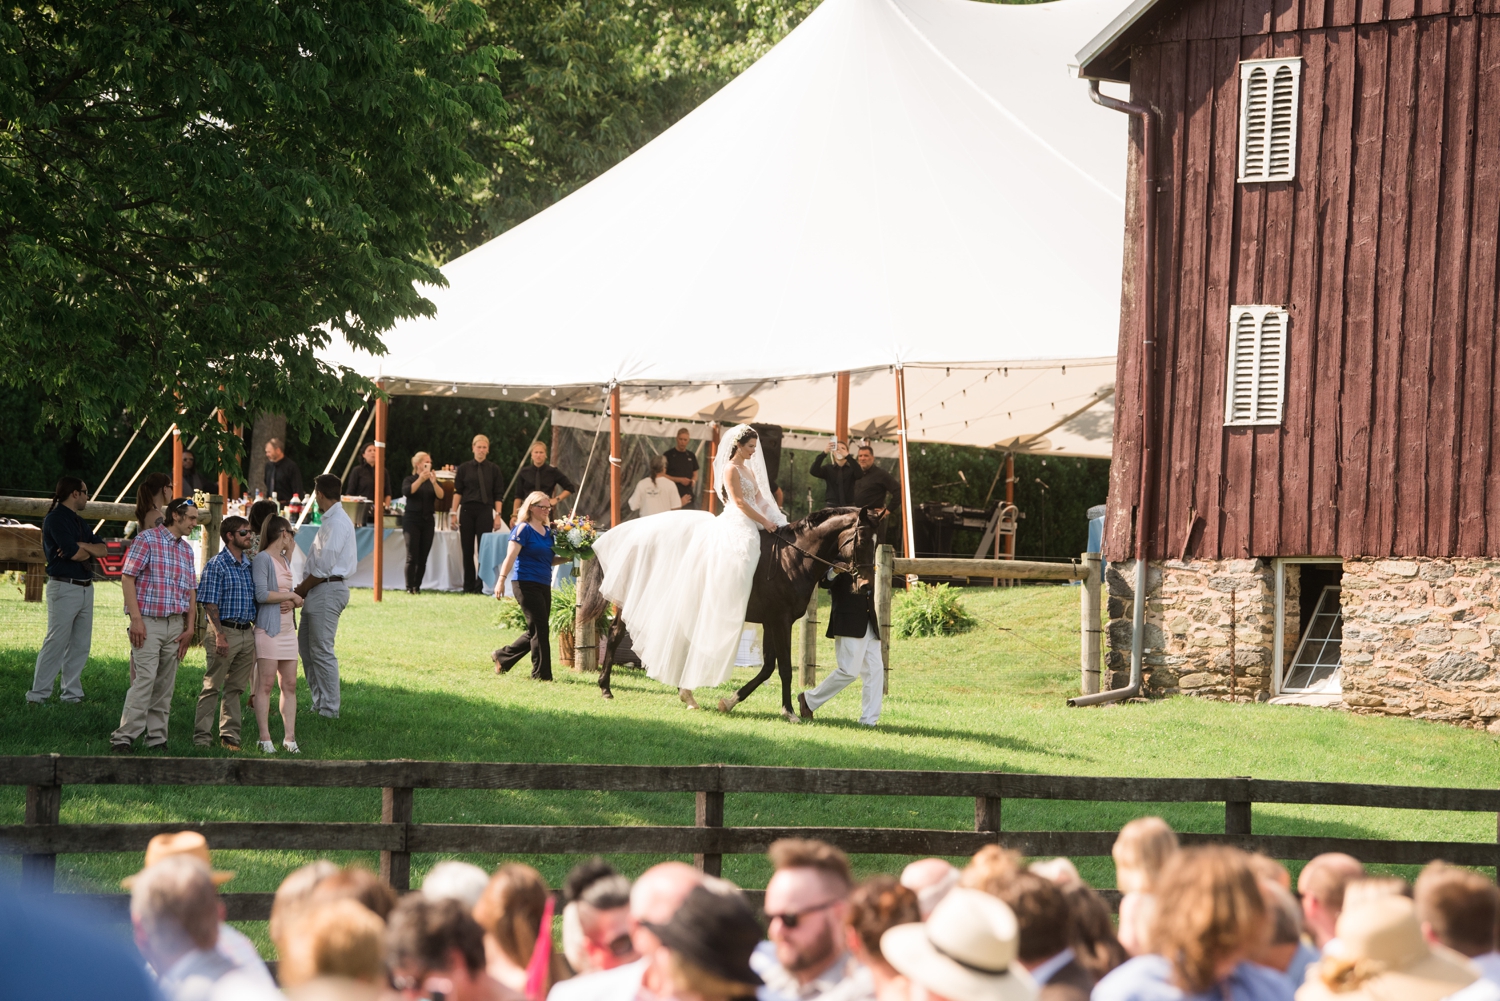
[(227, 593)]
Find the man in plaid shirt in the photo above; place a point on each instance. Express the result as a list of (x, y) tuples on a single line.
[(228, 597), (160, 584)]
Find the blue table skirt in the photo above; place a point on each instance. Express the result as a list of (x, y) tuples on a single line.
[(364, 539)]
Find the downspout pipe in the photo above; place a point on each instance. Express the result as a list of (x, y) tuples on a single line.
[(1143, 519)]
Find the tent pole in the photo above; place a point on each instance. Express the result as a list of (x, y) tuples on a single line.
[(176, 461), (711, 493), (614, 455), (379, 490), (841, 409), (369, 419), (223, 476), (131, 482), (907, 542)]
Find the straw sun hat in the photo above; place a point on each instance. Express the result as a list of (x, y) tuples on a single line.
[(182, 843), (1385, 958), (966, 951)]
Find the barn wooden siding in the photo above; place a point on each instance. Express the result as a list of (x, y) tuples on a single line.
[(1383, 247)]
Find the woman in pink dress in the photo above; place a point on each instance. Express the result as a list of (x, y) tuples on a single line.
[(275, 633)]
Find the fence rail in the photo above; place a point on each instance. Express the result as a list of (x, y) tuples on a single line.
[(42, 837)]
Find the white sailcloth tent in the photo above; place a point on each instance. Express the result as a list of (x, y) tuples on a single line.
[(919, 184)]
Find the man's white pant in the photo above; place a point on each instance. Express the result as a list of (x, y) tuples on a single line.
[(857, 658)]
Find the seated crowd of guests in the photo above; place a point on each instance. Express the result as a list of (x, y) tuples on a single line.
[(1208, 922)]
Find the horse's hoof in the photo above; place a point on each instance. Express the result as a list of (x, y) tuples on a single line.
[(726, 704), (687, 698), (790, 716), (607, 694)]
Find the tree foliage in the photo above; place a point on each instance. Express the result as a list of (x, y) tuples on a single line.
[(195, 197), (588, 82)]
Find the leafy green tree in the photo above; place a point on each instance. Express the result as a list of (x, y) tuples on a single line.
[(196, 197), (588, 82)]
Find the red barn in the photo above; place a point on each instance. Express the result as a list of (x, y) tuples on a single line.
[(1306, 449)]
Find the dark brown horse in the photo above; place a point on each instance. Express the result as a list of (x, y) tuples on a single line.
[(792, 561)]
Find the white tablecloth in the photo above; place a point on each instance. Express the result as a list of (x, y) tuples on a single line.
[(445, 569)]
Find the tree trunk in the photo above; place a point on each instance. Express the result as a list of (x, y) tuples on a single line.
[(267, 426)]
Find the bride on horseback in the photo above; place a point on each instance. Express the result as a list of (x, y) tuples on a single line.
[(684, 578)]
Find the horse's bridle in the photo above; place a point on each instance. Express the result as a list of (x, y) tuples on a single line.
[(840, 567)]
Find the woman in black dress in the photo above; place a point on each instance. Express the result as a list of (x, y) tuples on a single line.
[(421, 491)]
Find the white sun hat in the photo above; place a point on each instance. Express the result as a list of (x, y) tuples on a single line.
[(966, 951)]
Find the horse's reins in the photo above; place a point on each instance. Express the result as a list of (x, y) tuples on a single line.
[(840, 567)]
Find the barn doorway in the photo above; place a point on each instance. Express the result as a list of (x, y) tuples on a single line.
[(1309, 627)]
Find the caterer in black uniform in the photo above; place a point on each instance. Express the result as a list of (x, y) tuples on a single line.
[(478, 487), (539, 477), (421, 490), (361, 483)]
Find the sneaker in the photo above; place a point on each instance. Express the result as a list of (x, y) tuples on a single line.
[(266, 746), (803, 709), (790, 716), (289, 746), (727, 704)]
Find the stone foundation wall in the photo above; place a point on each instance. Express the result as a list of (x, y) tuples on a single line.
[(1421, 636), (1422, 639), (1190, 608)]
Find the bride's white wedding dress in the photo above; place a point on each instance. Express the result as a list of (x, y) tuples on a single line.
[(683, 578)]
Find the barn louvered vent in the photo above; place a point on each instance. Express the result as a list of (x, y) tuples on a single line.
[(1269, 90), (1256, 387)]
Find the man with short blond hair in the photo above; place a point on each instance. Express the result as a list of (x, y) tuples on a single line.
[(1321, 886), (477, 497), (175, 913), (807, 907)]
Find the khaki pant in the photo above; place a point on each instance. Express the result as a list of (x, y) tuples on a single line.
[(65, 651), (230, 673), (148, 702)]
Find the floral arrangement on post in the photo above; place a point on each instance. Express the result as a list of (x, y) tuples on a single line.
[(574, 537)]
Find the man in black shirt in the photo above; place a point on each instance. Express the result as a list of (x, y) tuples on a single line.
[(477, 490), (871, 484), (682, 467), (361, 482), (840, 474), (283, 478), (540, 476), (67, 544)]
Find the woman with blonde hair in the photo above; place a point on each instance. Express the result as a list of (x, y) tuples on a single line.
[(1141, 852), (422, 492), (275, 633), (1210, 919), (528, 565), (515, 912)]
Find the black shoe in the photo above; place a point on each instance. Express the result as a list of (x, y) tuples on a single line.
[(121, 748), (802, 708)]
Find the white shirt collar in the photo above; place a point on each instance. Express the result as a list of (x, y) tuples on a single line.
[(1047, 970)]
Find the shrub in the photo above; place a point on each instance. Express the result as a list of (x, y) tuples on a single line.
[(565, 610), (930, 610)]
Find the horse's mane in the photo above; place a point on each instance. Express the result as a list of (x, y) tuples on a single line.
[(816, 519)]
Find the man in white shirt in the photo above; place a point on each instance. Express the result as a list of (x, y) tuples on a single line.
[(654, 898), (325, 595)]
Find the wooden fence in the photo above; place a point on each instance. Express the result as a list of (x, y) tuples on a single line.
[(43, 837)]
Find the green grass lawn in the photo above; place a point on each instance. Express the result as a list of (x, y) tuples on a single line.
[(417, 683)]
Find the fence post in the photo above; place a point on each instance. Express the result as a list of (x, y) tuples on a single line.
[(987, 814), (1089, 632), (395, 808), (43, 806), (810, 642), (709, 812), (1237, 809), (885, 565)]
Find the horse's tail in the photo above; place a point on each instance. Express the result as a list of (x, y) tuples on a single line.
[(590, 602)]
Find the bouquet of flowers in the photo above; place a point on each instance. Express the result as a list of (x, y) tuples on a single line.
[(574, 537)]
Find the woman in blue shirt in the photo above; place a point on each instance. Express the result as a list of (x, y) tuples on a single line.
[(528, 563)]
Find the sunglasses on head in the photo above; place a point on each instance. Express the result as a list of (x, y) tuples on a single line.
[(792, 918)]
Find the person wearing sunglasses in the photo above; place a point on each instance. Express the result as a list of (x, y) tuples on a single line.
[(807, 905), (435, 949), (226, 591), (528, 569)]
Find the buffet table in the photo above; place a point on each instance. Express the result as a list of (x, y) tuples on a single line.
[(445, 569)]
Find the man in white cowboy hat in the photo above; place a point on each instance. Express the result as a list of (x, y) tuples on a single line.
[(1382, 955), (966, 951), (231, 943)]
